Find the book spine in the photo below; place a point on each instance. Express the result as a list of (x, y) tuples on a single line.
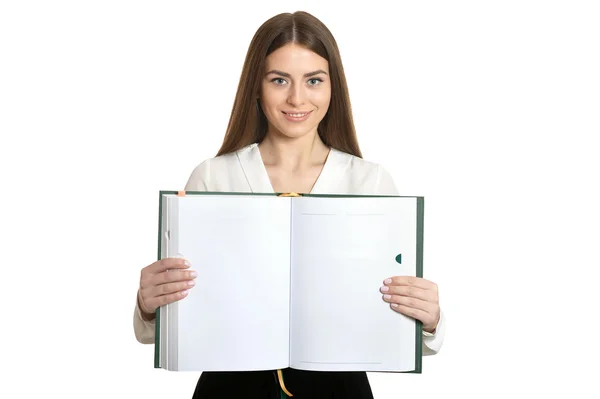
[(419, 272)]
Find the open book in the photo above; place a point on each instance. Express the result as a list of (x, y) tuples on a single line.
[(289, 282)]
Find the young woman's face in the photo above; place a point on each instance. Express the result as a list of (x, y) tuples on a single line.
[(295, 91)]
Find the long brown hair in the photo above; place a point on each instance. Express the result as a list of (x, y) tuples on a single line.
[(248, 123)]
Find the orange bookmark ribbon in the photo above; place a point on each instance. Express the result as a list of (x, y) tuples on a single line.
[(281, 384)]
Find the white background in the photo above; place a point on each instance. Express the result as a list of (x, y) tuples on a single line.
[(488, 109)]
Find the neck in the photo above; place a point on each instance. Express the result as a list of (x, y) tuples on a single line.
[(293, 153)]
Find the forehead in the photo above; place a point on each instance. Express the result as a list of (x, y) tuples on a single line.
[(294, 58)]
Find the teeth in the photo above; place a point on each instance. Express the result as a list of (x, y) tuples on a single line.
[(297, 115)]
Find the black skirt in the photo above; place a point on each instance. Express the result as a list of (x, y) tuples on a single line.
[(265, 385)]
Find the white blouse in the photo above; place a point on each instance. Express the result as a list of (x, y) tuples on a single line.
[(244, 171)]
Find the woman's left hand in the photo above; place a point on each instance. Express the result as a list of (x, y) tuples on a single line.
[(414, 297)]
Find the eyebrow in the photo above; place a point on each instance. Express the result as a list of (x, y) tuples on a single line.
[(287, 75)]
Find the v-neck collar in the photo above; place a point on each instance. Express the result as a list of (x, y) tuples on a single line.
[(258, 177)]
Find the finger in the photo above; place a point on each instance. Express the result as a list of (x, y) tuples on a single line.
[(412, 281), (168, 263), (170, 288), (410, 291), (172, 276), (159, 301), (411, 302)]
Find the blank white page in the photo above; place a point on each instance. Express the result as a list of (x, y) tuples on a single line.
[(237, 315), (342, 250)]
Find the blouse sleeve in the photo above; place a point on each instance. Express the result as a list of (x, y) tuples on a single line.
[(198, 180), (144, 330), (384, 184), (432, 343)]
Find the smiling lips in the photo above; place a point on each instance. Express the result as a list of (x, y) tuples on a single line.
[(296, 116)]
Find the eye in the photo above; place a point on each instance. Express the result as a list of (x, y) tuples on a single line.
[(314, 81), (279, 81)]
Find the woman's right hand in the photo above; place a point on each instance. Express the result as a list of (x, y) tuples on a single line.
[(165, 281)]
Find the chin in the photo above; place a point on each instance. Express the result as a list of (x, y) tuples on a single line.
[(294, 133)]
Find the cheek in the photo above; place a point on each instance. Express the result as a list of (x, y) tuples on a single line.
[(321, 99), (271, 99)]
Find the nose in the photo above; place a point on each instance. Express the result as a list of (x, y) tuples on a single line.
[(296, 95)]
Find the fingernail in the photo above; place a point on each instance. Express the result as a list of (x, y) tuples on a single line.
[(388, 281), (394, 305), (193, 274), (386, 296), (191, 282), (385, 288), (187, 263), (184, 293)]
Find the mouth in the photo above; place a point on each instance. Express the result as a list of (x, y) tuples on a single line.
[(296, 116)]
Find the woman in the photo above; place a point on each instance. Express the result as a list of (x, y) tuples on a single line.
[(291, 130)]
